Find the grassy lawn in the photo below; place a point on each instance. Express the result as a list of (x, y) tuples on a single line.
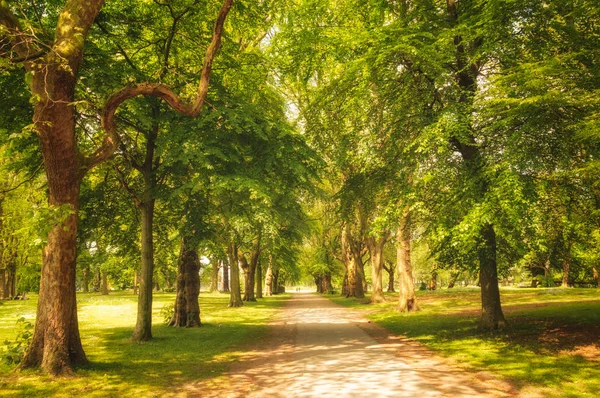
[(551, 346), (121, 368)]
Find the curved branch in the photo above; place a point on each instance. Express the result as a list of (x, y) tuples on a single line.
[(161, 91)]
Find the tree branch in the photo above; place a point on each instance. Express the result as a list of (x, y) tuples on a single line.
[(160, 91)]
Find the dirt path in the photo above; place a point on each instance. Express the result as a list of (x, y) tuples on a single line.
[(317, 348)]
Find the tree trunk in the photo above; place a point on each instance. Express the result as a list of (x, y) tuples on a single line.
[(492, 316), (187, 308), (276, 282), (104, 282), (251, 272), (375, 246), (453, 278), (432, 285), (596, 276), (56, 345), (269, 278), (214, 277), (566, 268), (225, 287), (259, 282), (235, 298), (391, 270), (407, 299), (135, 283), (345, 283), (353, 280), (143, 327), (5, 294), (319, 283), (86, 280)]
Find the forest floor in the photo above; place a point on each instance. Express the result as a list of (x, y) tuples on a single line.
[(318, 348), (550, 347)]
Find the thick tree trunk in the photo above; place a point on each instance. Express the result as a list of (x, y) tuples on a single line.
[(251, 273), (225, 287), (596, 276), (187, 308), (350, 263), (104, 282), (56, 345), (319, 283), (143, 327), (3, 284), (453, 278), (214, 277), (375, 246), (259, 282), (345, 283), (235, 298), (407, 299), (269, 278), (492, 316)]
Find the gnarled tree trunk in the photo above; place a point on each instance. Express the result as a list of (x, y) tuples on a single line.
[(187, 308)]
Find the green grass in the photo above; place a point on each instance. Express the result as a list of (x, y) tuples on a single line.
[(551, 346), (119, 367)]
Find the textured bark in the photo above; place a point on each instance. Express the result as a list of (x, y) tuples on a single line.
[(596, 276), (375, 246), (3, 284), (235, 298), (453, 278), (187, 308), (432, 284), (407, 300), (492, 316), (259, 281), (226, 284), (250, 270), (104, 282), (566, 269), (143, 326), (135, 283), (269, 278), (352, 258)]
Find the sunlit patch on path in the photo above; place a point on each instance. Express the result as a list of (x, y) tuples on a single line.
[(317, 348)]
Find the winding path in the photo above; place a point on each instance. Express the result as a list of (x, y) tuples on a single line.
[(317, 348)]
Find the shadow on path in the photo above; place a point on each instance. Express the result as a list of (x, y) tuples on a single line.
[(317, 348)]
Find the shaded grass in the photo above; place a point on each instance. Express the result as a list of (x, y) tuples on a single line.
[(551, 345), (122, 368)]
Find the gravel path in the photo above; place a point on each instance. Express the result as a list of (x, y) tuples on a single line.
[(317, 348)]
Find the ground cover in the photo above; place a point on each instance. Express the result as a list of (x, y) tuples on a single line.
[(120, 367), (550, 348)]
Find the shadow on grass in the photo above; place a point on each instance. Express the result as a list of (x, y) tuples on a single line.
[(552, 344)]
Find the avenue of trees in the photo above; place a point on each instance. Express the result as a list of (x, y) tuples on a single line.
[(369, 145)]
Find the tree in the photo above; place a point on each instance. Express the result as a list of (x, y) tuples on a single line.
[(56, 345)]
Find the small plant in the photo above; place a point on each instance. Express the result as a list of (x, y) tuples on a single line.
[(13, 351), (167, 312)]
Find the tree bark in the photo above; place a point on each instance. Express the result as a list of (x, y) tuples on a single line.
[(135, 283), (259, 281), (407, 299), (214, 277), (187, 308), (269, 278), (492, 316), (352, 258), (432, 285), (235, 298), (391, 270), (143, 327), (225, 287), (453, 278), (566, 268), (596, 276), (375, 246), (104, 283), (251, 272)]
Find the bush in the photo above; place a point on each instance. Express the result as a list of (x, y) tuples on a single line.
[(167, 312), (13, 351)]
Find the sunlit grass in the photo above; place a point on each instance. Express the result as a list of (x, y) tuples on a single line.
[(533, 352), (122, 368)]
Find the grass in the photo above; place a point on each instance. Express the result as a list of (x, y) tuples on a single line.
[(551, 346), (174, 360)]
